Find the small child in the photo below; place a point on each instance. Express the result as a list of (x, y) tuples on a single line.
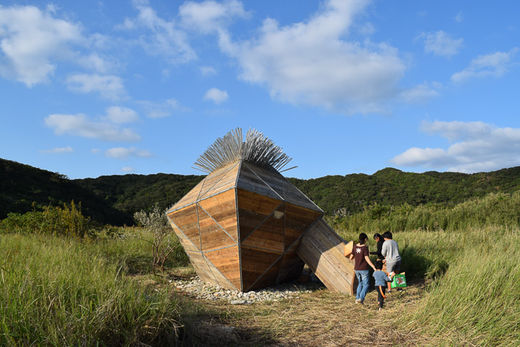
[(381, 279)]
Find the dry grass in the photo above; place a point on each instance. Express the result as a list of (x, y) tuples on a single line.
[(321, 318)]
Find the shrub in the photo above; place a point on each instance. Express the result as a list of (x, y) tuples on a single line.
[(64, 221)]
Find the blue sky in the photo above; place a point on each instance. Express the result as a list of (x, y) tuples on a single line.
[(90, 88)]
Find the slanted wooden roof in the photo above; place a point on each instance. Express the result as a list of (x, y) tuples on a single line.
[(249, 177)]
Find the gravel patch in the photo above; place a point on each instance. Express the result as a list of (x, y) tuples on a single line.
[(196, 288)]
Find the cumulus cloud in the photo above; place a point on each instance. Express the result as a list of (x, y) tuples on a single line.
[(208, 71), (159, 36), (489, 65), (59, 150), (81, 125), (216, 95), (124, 153), (208, 16), (420, 93), (314, 63), (108, 86), (30, 41), (119, 115), (161, 109), (441, 43), (476, 146)]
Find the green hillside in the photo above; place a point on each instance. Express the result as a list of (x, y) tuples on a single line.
[(114, 199)]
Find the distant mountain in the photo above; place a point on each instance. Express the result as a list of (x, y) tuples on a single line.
[(114, 199)]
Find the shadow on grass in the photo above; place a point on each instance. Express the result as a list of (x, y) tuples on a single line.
[(418, 267)]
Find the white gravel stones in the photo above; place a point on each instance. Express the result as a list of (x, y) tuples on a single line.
[(201, 290)]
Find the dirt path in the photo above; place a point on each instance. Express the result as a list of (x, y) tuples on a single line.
[(320, 318)]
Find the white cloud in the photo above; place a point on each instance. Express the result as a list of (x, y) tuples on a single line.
[(96, 63), (208, 71), (208, 16), (59, 150), (30, 41), (313, 63), (124, 153), (440, 43), (476, 146), (459, 17), (489, 65), (127, 169), (216, 95), (119, 115), (161, 109), (159, 36), (81, 125), (420, 93), (108, 86)]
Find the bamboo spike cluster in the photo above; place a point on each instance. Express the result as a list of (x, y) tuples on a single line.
[(256, 149)]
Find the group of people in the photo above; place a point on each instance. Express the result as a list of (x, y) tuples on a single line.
[(388, 264)]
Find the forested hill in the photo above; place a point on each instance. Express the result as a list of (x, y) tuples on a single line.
[(350, 193), (114, 199)]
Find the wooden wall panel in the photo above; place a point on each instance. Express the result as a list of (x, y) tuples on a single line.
[(250, 182), (254, 264), (186, 219), (211, 234), (186, 243), (297, 220), (227, 262), (290, 267), (189, 198), (201, 267), (284, 188), (267, 279), (225, 183), (270, 235), (222, 208), (213, 178), (322, 249), (253, 209)]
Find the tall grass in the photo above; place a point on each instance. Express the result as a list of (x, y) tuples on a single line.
[(493, 209), (59, 291), (478, 300)]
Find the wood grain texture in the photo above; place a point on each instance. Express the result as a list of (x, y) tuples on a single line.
[(214, 178), (222, 208), (226, 261), (283, 188), (211, 234), (226, 182), (186, 219), (322, 249)]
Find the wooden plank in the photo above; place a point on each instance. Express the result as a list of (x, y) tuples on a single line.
[(270, 235), (253, 210), (189, 198), (227, 262), (222, 208), (213, 178), (266, 279), (201, 267), (186, 219), (255, 263), (211, 234), (226, 182), (290, 267), (248, 181), (282, 187), (297, 220), (322, 250), (186, 243)]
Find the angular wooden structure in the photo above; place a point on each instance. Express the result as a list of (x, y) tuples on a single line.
[(323, 251), (242, 225)]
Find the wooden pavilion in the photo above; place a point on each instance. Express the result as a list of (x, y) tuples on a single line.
[(246, 227)]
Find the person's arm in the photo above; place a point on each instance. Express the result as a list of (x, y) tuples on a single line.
[(367, 258)]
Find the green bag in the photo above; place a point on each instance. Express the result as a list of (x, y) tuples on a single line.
[(399, 281)]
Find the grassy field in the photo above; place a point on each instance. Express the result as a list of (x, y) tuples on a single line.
[(62, 290)]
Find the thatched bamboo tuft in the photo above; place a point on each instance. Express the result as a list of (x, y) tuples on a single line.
[(256, 149)]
